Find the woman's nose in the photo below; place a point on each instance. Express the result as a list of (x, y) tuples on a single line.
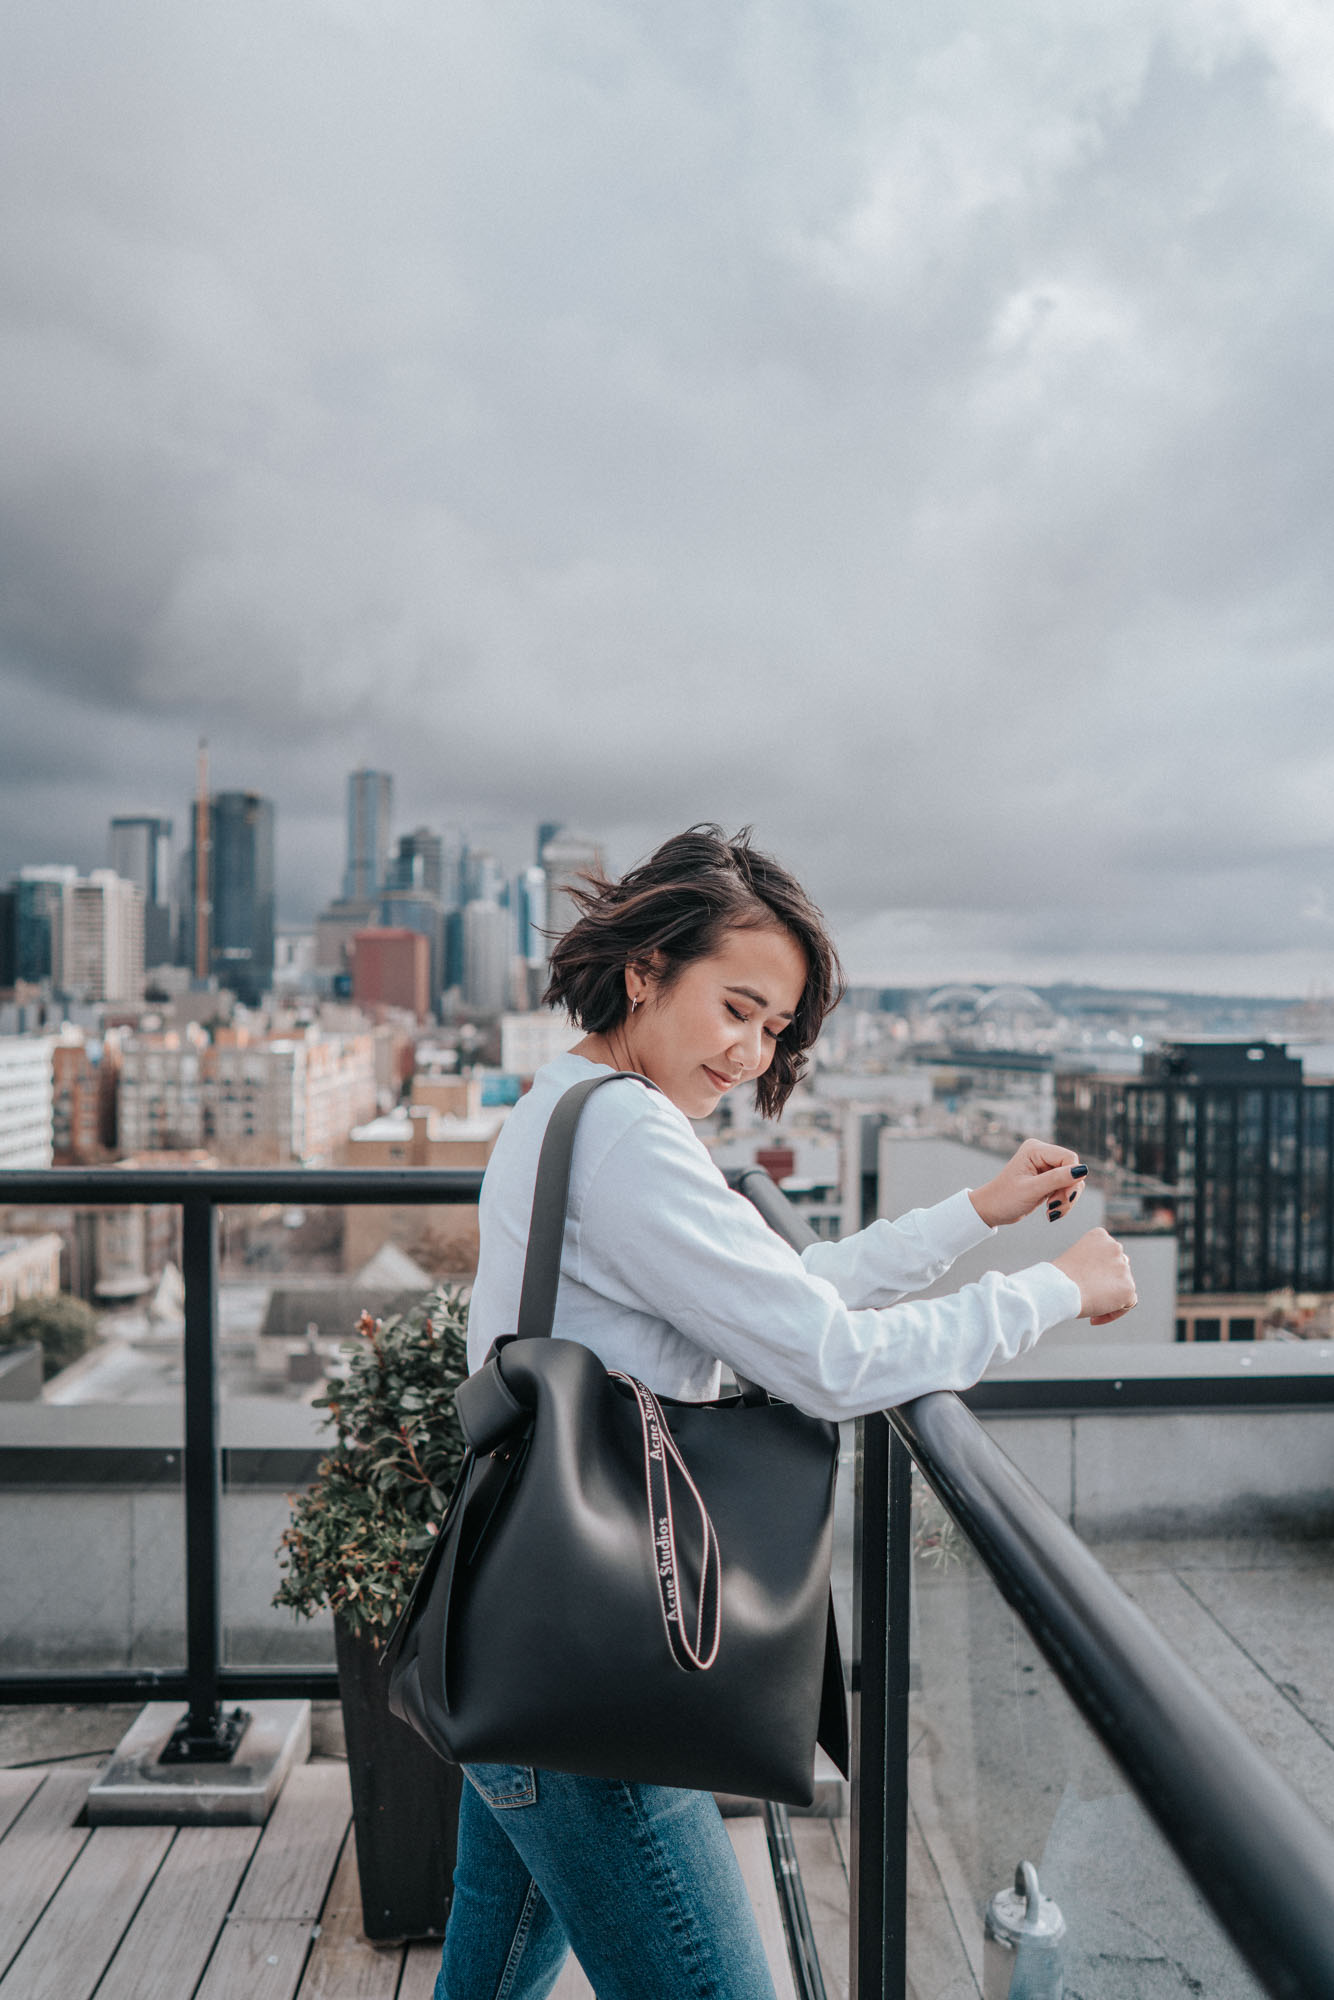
[(746, 1049)]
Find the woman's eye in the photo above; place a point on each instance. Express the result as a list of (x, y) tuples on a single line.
[(735, 1012)]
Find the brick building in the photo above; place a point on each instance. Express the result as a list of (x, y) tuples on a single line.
[(392, 968)]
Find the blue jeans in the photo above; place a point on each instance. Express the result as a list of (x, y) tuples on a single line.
[(640, 1880)]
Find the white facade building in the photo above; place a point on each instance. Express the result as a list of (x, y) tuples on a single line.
[(279, 1103), (529, 1040), (566, 859), (29, 1269), (97, 940), (487, 951), (26, 1101), (160, 1106)]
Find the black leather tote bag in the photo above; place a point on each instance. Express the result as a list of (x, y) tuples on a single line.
[(625, 1586)]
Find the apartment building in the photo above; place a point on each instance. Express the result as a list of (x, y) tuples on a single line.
[(97, 940), (291, 1100), (25, 1101)]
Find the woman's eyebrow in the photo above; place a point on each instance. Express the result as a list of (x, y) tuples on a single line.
[(748, 994)]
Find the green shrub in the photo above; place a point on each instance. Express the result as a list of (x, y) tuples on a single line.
[(360, 1532), (64, 1326)]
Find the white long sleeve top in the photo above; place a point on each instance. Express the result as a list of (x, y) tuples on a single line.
[(666, 1271)]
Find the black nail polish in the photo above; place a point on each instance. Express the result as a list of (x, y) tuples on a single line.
[(1078, 1173)]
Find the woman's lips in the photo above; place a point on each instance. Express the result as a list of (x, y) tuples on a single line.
[(723, 1082)]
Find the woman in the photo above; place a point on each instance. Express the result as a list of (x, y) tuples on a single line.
[(705, 969)]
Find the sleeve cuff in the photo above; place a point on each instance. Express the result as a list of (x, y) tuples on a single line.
[(956, 1226), (1055, 1296)]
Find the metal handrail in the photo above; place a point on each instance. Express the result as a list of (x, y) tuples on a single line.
[(1253, 1848), (1256, 1852), (238, 1187)]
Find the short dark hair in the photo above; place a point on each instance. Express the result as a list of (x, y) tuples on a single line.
[(673, 909)]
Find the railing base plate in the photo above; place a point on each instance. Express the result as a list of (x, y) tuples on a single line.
[(138, 1788)]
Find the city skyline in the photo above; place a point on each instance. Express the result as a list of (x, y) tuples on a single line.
[(909, 949), (906, 433)]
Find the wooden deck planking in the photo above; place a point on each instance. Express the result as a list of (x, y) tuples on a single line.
[(752, 1851), (342, 1965), (421, 1963), (824, 1878), (257, 1960), (267, 1938), (939, 1968), (298, 1852), (66, 1952), (949, 1911), (37, 1852), (145, 1910), (166, 1948), (16, 1788)]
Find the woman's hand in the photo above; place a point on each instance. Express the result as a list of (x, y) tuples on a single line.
[(1101, 1269), (1038, 1172)]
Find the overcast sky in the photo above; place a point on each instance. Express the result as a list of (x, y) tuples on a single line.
[(908, 429)]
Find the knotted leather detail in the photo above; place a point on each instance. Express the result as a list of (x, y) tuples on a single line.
[(488, 1411)]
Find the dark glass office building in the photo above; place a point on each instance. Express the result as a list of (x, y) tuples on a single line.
[(141, 853), (241, 893), (9, 942), (1239, 1142)]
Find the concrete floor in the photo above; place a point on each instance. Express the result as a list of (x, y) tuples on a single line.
[(1003, 1769)]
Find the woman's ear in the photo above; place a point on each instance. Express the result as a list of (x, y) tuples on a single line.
[(643, 972)]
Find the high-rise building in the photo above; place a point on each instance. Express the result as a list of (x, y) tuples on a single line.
[(487, 951), (37, 896), (9, 944), (420, 862), (1231, 1140), (412, 900), (370, 805), (565, 859), (293, 957), (416, 909), (531, 910), (545, 832), (241, 892), (483, 878), (97, 940), (141, 853)]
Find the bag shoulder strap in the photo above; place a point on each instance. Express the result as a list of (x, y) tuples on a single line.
[(551, 1194), (546, 1228)]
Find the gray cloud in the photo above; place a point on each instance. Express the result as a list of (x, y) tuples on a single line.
[(909, 434)]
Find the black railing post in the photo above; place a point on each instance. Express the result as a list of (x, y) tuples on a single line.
[(205, 1735), (882, 1552), (870, 1599), (898, 1688)]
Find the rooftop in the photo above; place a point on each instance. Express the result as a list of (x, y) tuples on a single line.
[(209, 1913), (1000, 1770)]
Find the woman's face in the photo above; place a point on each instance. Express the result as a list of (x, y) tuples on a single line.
[(717, 1024)]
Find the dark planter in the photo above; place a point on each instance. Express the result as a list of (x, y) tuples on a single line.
[(405, 1806)]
